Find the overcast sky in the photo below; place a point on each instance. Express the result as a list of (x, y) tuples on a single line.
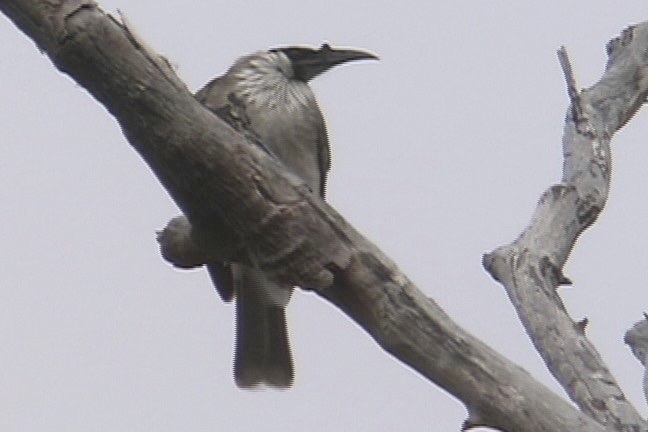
[(440, 152)]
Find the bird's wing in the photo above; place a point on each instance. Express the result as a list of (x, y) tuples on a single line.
[(217, 97), (213, 96), (324, 154), (223, 280), (204, 93)]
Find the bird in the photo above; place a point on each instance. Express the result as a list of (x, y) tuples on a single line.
[(266, 97)]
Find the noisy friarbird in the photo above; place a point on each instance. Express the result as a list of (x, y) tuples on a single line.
[(266, 97)]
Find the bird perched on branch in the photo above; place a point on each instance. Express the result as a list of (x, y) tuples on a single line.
[(266, 97)]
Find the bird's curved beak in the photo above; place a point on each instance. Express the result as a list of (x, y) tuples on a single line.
[(314, 62), (338, 56)]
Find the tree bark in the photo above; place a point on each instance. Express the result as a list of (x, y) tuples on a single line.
[(240, 205), (530, 268)]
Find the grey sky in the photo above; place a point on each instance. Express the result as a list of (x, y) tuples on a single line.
[(440, 152)]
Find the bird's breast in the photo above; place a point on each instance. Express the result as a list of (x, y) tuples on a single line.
[(290, 124)]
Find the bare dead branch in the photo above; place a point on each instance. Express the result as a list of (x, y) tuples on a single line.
[(530, 268), (570, 80), (637, 339)]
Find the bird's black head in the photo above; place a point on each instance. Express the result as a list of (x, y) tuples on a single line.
[(307, 63)]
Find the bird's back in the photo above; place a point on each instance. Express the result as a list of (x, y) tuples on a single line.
[(283, 116)]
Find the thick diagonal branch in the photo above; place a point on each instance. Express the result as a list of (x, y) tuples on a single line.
[(530, 268)]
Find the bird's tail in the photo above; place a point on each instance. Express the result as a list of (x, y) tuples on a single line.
[(262, 347)]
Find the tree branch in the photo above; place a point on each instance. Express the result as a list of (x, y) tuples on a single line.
[(637, 339), (243, 206), (530, 268)]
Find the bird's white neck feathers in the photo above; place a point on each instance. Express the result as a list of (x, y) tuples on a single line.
[(266, 79)]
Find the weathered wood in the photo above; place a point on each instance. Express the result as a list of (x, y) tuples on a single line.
[(530, 268)]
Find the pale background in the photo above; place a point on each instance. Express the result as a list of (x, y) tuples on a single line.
[(441, 151)]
